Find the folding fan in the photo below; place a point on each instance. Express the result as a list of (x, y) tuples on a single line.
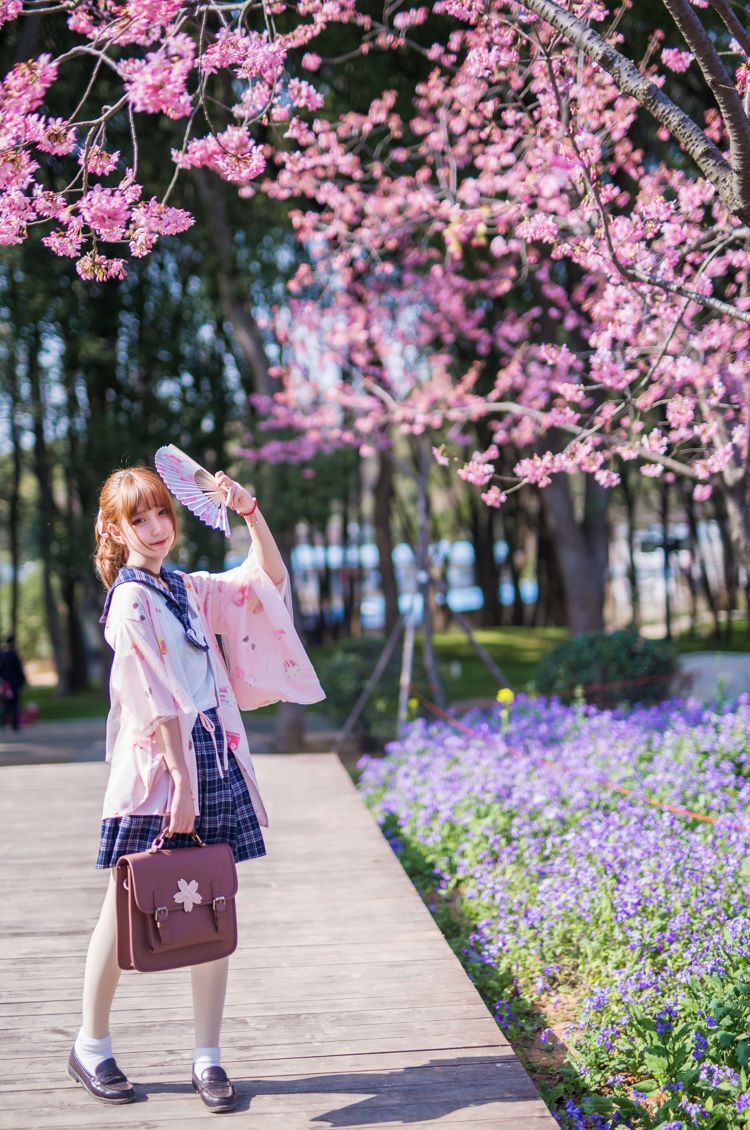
[(193, 486)]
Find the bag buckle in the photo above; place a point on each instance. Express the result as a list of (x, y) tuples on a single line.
[(221, 899), (159, 911)]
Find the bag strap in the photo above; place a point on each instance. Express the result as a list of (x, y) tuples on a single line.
[(158, 842)]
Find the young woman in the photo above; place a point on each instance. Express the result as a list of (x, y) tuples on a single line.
[(175, 738)]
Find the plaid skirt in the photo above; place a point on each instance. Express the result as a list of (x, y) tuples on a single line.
[(226, 810)]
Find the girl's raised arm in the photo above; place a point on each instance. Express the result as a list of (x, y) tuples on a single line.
[(266, 550)]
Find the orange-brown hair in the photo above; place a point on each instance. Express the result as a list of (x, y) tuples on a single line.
[(122, 496)]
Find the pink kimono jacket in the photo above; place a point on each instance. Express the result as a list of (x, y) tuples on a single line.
[(265, 662)]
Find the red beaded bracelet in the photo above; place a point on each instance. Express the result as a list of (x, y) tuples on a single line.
[(249, 513)]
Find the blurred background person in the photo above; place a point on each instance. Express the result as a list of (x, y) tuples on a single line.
[(14, 677)]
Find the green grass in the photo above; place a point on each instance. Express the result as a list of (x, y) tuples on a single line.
[(93, 703), (705, 641), (517, 651)]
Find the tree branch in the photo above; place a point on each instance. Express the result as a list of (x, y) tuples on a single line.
[(722, 88), (647, 94), (711, 303), (732, 24), (670, 464)]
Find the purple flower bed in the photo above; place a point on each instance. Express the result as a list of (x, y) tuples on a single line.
[(568, 890)]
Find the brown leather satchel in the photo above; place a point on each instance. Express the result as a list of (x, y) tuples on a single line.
[(175, 907)]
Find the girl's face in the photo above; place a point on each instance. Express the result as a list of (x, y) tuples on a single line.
[(149, 536)]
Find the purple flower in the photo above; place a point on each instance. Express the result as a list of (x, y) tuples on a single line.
[(713, 1074), (567, 884)]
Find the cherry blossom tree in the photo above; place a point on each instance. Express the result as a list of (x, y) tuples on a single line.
[(508, 215), (495, 253), (219, 72)]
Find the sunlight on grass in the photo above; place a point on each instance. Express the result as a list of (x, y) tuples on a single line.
[(516, 651)]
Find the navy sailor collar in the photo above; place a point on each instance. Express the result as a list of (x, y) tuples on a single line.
[(176, 597)]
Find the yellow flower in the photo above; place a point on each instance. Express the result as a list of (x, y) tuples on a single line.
[(413, 703), (505, 696)]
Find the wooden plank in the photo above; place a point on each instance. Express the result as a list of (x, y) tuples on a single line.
[(346, 1007)]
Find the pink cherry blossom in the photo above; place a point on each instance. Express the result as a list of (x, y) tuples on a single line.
[(99, 268), (99, 161), (494, 497), (477, 473), (305, 96), (252, 56), (232, 154), (106, 211), (57, 137), (676, 60), (17, 212), (157, 83), (67, 240), (10, 10)]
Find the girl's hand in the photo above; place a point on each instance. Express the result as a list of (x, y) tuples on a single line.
[(237, 497), (182, 810)]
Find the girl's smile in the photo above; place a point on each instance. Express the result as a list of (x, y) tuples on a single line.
[(148, 536)]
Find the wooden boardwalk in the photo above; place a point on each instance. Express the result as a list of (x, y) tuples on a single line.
[(346, 1007)]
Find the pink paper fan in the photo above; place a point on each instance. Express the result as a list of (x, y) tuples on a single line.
[(193, 486)]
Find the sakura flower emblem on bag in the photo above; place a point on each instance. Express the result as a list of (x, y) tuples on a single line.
[(187, 894)]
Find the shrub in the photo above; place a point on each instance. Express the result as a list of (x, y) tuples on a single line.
[(610, 667), (343, 675)]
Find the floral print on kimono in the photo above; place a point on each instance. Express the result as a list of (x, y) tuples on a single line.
[(266, 662)]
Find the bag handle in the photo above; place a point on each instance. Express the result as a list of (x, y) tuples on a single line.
[(159, 841)]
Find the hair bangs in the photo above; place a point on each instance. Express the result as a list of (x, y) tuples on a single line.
[(140, 489)]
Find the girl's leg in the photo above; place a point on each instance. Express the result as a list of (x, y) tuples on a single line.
[(102, 971), (209, 1078), (209, 991), (91, 1062)]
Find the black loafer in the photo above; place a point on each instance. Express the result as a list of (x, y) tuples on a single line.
[(216, 1090), (107, 1083)]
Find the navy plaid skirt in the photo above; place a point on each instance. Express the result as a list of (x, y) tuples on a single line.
[(226, 811)]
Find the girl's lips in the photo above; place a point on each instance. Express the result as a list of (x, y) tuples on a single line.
[(162, 542)]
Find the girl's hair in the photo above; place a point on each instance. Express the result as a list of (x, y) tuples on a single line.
[(122, 496)]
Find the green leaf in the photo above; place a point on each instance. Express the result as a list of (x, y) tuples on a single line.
[(656, 1060)]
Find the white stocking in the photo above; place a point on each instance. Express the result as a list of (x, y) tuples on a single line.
[(209, 990), (102, 971)]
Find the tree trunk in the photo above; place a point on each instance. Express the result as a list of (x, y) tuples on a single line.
[(15, 498), (423, 575), (550, 610), (630, 511), (516, 523), (249, 341), (581, 550), (729, 529), (289, 734), (232, 293), (736, 499), (46, 513), (77, 654), (666, 545), (384, 539), (700, 559), (482, 520)]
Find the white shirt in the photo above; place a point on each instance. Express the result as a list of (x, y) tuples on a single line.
[(191, 665)]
